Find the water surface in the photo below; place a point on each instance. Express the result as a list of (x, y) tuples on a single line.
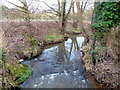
[(59, 66)]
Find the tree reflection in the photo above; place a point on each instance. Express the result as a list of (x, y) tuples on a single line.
[(64, 53), (74, 46)]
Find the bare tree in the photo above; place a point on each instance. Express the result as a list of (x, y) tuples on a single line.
[(62, 13), (80, 9), (25, 14), (75, 21), (58, 1)]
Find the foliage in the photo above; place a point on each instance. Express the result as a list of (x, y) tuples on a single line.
[(22, 72), (94, 52), (51, 37), (34, 41), (2, 56), (84, 29), (106, 16)]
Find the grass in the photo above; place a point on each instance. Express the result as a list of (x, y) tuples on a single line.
[(34, 41), (75, 31), (52, 37)]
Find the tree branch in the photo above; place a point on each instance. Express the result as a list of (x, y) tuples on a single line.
[(51, 8), (69, 9), (16, 5), (59, 6), (84, 6)]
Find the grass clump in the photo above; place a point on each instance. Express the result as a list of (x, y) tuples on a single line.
[(51, 37), (34, 41)]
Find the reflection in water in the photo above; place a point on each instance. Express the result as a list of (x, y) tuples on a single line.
[(61, 67), (69, 50), (65, 51)]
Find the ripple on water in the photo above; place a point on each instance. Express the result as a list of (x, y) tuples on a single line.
[(60, 67)]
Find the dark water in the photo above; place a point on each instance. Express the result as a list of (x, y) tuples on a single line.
[(59, 66)]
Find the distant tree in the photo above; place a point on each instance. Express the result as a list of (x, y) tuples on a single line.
[(62, 13), (25, 14), (10, 13), (80, 9), (5, 11), (75, 21)]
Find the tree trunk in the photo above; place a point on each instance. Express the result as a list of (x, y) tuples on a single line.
[(80, 19), (59, 10), (63, 21), (64, 16), (79, 16), (75, 21), (29, 25)]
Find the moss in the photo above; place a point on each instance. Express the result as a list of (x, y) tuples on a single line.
[(73, 32), (84, 29), (54, 38), (76, 31), (51, 37), (20, 71)]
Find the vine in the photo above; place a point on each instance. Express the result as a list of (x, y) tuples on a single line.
[(106, 16)]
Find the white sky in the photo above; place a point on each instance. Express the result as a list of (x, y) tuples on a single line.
[(35, 3), (4, 2)]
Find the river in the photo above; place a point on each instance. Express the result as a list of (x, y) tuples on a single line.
[(59, 66)]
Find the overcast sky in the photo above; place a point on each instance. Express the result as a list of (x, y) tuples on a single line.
[(50, 2), (4, 2), (35, 3)]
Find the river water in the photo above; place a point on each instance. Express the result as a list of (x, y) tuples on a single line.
[(59, 66)]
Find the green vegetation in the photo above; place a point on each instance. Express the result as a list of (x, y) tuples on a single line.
[(2, 54), (34, 41), (84, 29), (35, 28), (76, 31), (21, 72), (13, 74), (51, 37), (106, 16), (2, 57)]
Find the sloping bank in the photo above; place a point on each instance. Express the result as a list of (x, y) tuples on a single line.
[(102, 53), (15, 73), (105, 68)]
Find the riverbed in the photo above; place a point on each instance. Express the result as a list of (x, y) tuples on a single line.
[(59, 66)]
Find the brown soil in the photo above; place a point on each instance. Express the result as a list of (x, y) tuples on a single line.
[(16, 42)]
